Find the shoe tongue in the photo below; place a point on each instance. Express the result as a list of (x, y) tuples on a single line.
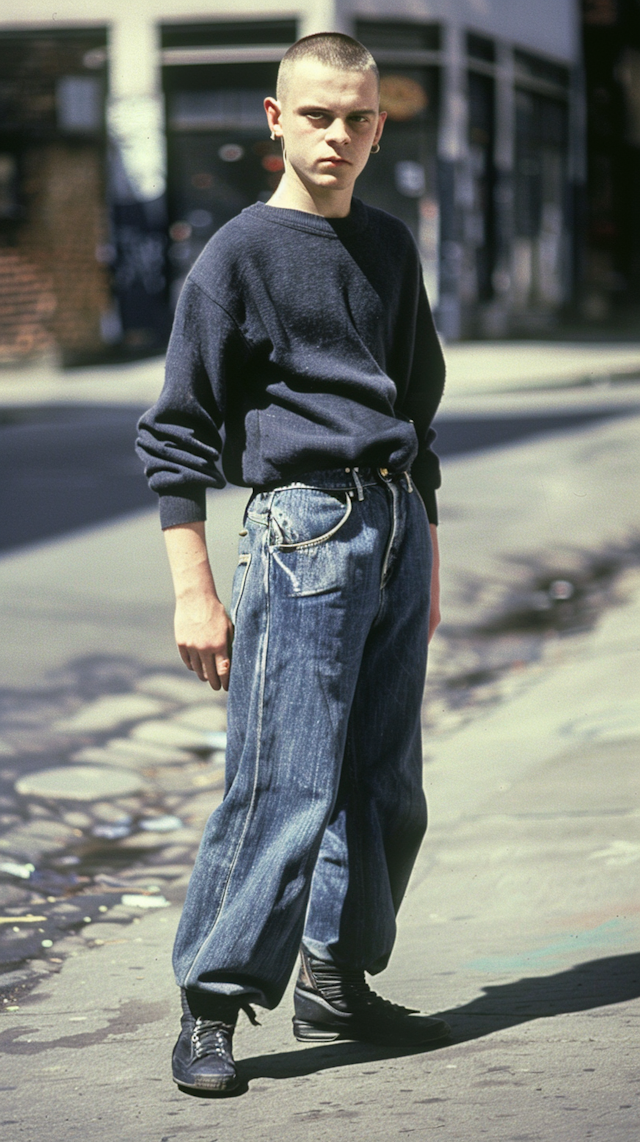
[(218, 1008)]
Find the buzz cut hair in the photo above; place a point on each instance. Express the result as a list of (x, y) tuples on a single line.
[(332, 48)]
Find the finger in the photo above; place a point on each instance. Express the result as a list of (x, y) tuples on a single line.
[(184, 654), (196, 665), (223, 668), (210, 671)]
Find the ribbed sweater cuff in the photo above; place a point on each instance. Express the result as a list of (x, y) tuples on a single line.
[(188, 508)]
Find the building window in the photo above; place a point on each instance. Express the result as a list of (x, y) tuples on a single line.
[(403, 178), (531, 67), (479, 218), (392, 35), (8, 186), (220, 156), (539, 257), (80, 104), (600, 13), (235, 108), (478, 47), (234, 33)]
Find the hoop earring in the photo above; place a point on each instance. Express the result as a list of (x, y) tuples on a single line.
[(375, 149)]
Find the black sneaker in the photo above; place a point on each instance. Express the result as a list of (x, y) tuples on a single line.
[(203, 1055), (332, 1003)]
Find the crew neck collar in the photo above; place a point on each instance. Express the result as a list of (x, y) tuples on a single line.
[(353, 223)]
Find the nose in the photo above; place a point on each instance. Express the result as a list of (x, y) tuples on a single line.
[(337, 133)]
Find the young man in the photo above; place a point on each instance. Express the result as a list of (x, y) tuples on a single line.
[(305, 331)]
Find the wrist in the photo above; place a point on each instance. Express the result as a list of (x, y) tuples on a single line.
[(196, 590)]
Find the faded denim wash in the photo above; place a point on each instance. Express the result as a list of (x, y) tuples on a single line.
[(323, 812)]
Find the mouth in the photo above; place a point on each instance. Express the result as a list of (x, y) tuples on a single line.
[(335, 161)]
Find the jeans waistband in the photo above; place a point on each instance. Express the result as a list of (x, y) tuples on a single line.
[(340, 479)]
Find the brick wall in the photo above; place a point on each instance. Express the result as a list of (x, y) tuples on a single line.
[(27, 304), (53, 289), (67, 224)]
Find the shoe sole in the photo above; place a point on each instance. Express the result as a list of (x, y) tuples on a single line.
[(315, 1032), (308, 1032), (211, 1084)]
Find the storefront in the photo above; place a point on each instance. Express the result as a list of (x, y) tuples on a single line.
[(220, 156), (165, 116), (495, 236)]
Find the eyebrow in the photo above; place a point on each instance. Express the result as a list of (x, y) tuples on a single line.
[(327, 111)]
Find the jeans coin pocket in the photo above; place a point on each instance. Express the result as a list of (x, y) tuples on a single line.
[(307, 517)]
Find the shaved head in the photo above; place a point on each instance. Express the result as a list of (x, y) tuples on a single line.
[(331, 48)]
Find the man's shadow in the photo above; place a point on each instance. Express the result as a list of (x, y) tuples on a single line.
[(597, 983), (584, 987)]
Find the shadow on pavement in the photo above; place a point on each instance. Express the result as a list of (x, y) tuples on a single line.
[(67, 468), (597, 983), (584, 987), (460, 435)]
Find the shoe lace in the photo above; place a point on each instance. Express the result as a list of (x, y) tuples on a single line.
[(347, 988), (210, 1037), (214, 1036)]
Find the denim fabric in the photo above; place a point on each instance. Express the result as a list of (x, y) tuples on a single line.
[(323, 812)]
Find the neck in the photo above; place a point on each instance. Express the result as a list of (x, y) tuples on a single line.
[(293, 194)]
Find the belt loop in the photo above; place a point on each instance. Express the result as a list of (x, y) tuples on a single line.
[(358, 483), (409, 483)]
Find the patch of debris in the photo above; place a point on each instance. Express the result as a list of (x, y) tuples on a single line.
[(566, 600), (106, 780), (477, 667)]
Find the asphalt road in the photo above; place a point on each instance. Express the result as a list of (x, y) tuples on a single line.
[(63, 468)]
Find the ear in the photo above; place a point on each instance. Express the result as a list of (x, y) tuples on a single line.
[(274, 114), (380, 124)]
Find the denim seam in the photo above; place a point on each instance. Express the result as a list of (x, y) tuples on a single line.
[(392, 535), (236, 855), (354, 769), (245, 559)]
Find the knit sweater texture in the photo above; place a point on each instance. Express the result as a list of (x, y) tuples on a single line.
[(299, 343)]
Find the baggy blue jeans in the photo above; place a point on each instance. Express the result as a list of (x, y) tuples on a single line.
[(323, 812)]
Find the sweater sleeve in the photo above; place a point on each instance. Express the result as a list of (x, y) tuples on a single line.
[(423, 395), (179, 439)]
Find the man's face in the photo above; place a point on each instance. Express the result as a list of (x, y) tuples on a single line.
[(329, 119)]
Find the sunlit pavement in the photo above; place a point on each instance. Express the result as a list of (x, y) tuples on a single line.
[(473, 369), (521, 921)]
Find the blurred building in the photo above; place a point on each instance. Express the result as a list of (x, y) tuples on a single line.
[(129, 132), (611, 279)]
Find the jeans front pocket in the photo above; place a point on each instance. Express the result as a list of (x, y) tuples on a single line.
[(309, 539)]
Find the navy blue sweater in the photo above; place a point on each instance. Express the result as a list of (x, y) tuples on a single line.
[(310, 342)]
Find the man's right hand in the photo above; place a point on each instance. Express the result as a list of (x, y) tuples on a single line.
[(203, 629), (204, 634)]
